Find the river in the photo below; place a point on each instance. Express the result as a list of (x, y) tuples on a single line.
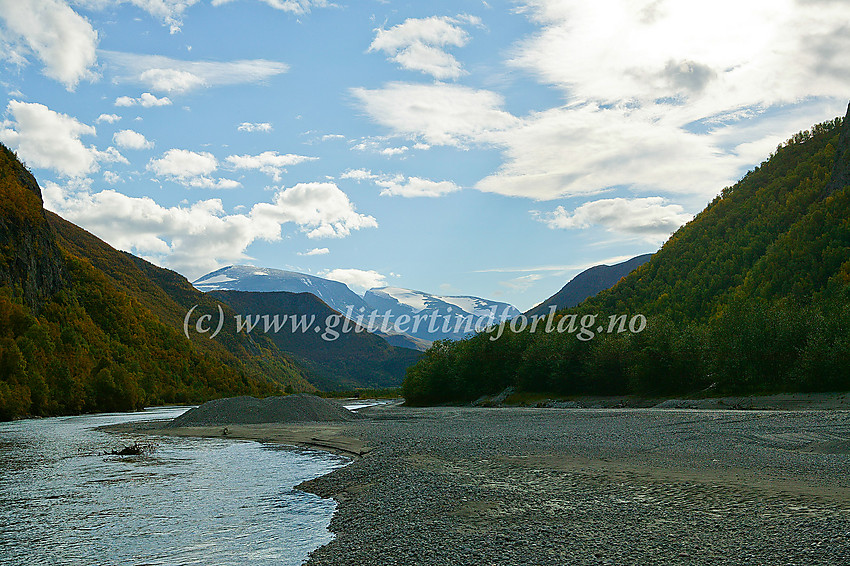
[(65, 501)]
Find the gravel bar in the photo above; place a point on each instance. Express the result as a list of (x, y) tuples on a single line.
[(529, 486)]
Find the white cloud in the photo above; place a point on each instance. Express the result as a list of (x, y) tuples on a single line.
[(108, 118), (190, 169), (378, 144), (358, 280), (198, 238), (63, 40), (397, 185), (169, 12), (183, 164), (209, 183), (441, 114), (357, 174), (268, 162), (254, 127), (584, 149), (660, 97), (650, 217), (316, 251), (390, 151), (47, 139), (171, 80), (297, 7), (321, 209), (418, 44), (164, 74), (719, 57), (147, 100), (129, 139), (112, 178)]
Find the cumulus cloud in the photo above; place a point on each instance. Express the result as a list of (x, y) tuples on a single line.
[(112, 178), (358, 280), (390, 151), (254, 127), (129, 139), (190, 169), (169, 12), (585, 149), (357, 174), (61, 39), (650, 217), (268, 162), (108, 118), (441, 114), (378, 144), (174, 76), (171, 80), (321, 209), (198, 238), (210, 183), (51, 140), (316, 251), (183, 164), (418, 44), (398, 185), (146, 100)]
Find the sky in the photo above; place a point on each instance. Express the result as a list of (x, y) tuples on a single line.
[(483, 148)]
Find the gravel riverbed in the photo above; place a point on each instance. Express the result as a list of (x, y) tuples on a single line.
[(520, 486)]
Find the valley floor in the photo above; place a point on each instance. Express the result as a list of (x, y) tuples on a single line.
[(518, 486)]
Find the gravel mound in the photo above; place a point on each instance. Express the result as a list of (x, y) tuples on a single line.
[(249, 410)]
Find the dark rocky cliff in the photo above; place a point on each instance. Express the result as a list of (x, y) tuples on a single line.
[(30, 259), (840, 177)]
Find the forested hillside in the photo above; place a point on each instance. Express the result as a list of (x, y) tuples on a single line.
[(339, 359), (84, 327), (751, 296)]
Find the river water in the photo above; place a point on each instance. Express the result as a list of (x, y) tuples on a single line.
[(63, 501)]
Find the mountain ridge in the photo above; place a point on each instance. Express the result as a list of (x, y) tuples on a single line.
[(395, 302), (250, 278), (336, 359), (587, 284)]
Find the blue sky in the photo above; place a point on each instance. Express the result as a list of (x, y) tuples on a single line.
[(484, 148)]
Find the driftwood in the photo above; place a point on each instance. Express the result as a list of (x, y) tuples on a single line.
[(135, 449)]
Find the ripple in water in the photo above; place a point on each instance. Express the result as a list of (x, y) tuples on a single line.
[(190, 501)]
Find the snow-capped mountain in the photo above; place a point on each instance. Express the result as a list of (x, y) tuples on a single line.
[(452, 316), (249, 278), (379, 310)]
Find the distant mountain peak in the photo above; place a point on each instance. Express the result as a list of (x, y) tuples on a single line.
[(464, 311), (335, 294), (588, 283)]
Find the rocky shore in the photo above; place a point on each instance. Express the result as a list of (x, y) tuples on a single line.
[(558, 486), (517, 486)]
